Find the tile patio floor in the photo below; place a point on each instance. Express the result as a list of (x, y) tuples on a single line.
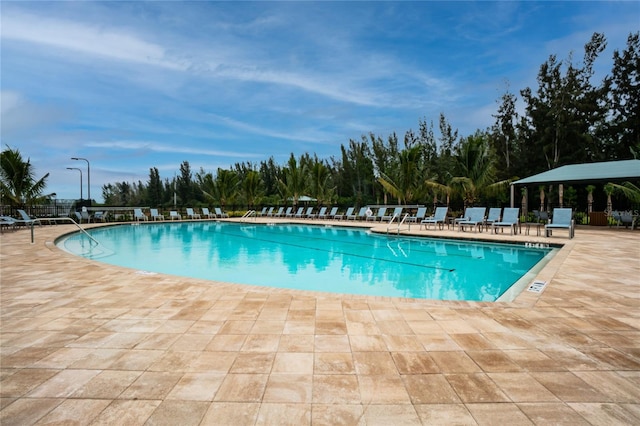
[(87, 343)]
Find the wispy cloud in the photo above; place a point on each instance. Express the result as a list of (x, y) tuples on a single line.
[(125, 145)]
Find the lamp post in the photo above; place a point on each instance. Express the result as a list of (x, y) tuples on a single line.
[(88, 177), (75, 168)]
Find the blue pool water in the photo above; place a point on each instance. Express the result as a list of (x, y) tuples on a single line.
[(331, 259)]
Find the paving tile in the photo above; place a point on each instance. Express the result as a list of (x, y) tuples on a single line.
[(333, 363), (570, 388), (493, 360), (522, 387), (107, 384), (274, 413), (151, 385), (477, 387), (498, 414), (430, 389), (75, 412), (23, 381), (201, 386), (231, 413), (336, 389), (553, 413), (414, 363), (282, 388), (455, 362), (172, 412), (127, 412), (334, 414), (27, 411), (242, 388), (383, 390), (374, 363), (445, 414), (385, 414)]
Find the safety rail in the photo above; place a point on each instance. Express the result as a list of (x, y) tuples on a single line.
[(400, 222), (248, 214), (56, 219)]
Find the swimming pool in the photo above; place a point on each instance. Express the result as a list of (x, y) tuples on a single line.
[(322, 258)]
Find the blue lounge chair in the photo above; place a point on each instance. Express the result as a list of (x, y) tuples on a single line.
[(493, 216), (381, 213), (309, 213), (272, 214), (510, 218), (420, 214), (397, 212), (475, 220), (322, 214), (299, 213), (174, 215), (437, 219), (561, 219), (139, 216), (361, 213), (263, 212), (287, 213), (332, 214), (7, 221), (346, 215)]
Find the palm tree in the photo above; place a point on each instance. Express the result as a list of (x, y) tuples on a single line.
[(18, 184), (224, 189), (252, 188), (320, 187), (476, 168), (409, 186), (295, 180)]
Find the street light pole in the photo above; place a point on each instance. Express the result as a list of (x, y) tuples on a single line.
[(88, 177), (75, 168)]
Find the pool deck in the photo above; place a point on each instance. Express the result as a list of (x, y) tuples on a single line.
[(87, 343)]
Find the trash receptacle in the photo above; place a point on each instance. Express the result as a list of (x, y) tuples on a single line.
[(598, 219)]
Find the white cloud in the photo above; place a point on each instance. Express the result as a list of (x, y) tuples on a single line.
[(175, 149)]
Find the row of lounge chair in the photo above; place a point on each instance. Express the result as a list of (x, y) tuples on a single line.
[(191, 213), (498, 219)]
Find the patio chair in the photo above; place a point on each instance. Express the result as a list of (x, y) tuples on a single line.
[(6, 222), (465, 216), (287, 213), (381, 212), (510, 218), (220, 213), (437, 220), (561, 219), (139, 216), (263, 212), (174, 215), (332, 214), (309, 213), (625, 219), (475, 220), (397, 212), (155, 215), (299, 213), (207, 213), (191, 214), (346, 215), (277, 213), (361, 213), (419, 216), (322, 214), (493, 216), (99, 217)]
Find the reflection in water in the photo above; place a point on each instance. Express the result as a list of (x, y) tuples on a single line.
[(315, 258)]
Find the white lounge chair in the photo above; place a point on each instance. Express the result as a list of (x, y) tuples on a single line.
[(139, 216), (322, 214), (263, 212), (220, 213), (276, 214), (192, 214), (99, 217), (155, 215), (174, 215), (510, 218), (437, 220), (561, 219)]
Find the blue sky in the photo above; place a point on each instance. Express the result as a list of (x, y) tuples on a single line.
[(135, 85)]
